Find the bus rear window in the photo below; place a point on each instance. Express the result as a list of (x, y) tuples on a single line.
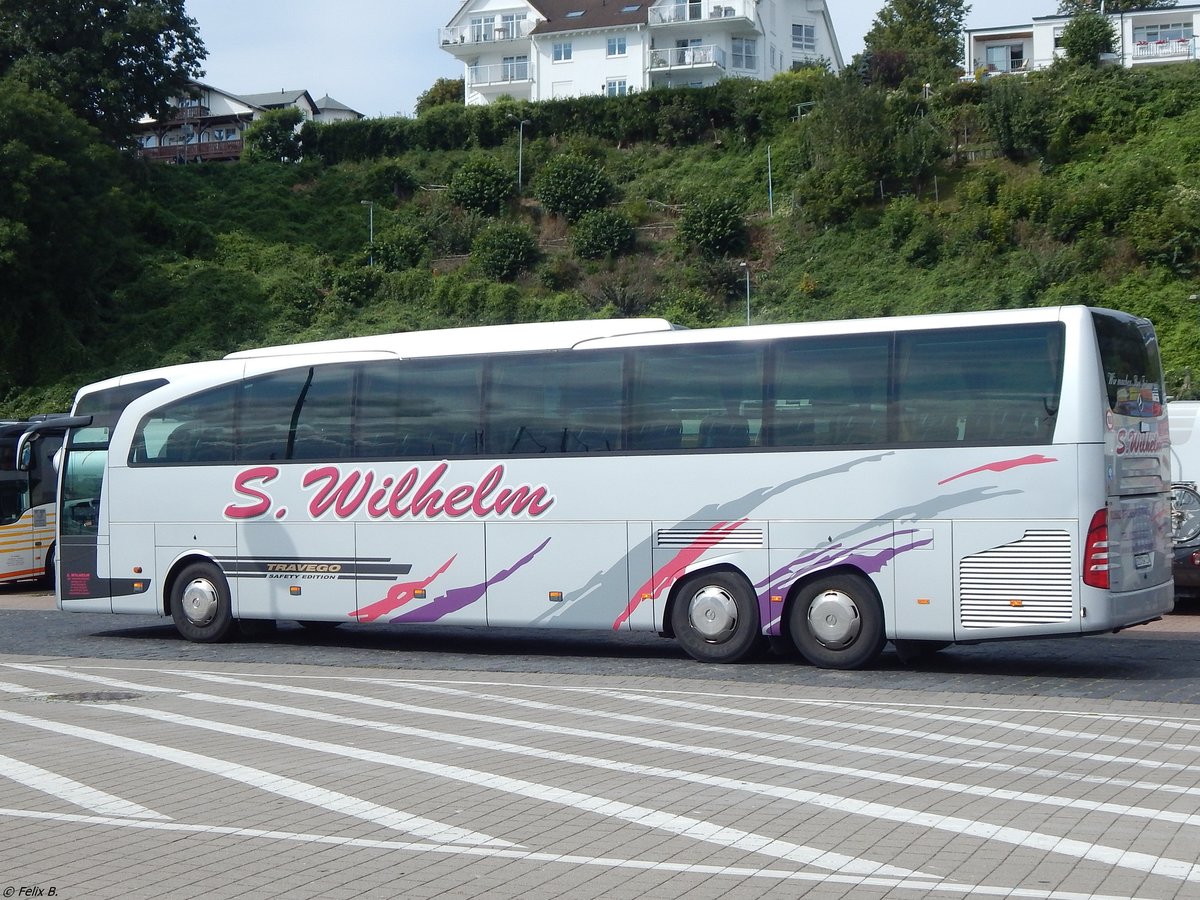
[(1132, 368)]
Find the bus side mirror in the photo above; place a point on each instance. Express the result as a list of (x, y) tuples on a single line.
[(25, 451)]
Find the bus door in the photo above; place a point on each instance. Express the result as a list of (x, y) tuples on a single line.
[(16, 528)]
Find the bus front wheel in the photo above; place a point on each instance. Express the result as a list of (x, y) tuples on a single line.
[(715, 618), (200, 604), (837, 622)]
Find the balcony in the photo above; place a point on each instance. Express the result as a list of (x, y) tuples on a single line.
[(469, 38), (203, 152), (502, 74), (1174, 49), (708, 56), (736, 12)]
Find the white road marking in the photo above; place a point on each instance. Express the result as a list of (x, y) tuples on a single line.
[(72, 791), (923, 887), (983, 830), (266, 781), (1012, 750), (696, 829)]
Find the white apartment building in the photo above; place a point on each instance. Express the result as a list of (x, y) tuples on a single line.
[(545, 49), (1144, 37)]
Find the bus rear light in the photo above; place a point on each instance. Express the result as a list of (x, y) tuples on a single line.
[(1095, 554)]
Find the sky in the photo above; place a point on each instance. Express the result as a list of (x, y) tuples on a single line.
[(378, 56)]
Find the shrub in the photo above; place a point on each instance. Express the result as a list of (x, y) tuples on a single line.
[(481, 184), (570, 185), (400, 248), (504, 250), (601, 232), (713, 225)]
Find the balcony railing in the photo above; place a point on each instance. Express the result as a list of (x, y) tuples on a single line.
[(504, 73), (485, 34), (700, 12), (707, 56), (193, 152), (1177, 48)]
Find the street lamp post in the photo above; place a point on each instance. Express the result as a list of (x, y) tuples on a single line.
[(521, 123), (746, 268), (370, 205)]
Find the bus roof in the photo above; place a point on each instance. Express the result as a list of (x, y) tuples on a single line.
[(588, 333), (471, 339)]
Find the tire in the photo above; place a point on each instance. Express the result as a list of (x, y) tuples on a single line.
[(200, 604), (48, 576), (837, 622), (715, 618)]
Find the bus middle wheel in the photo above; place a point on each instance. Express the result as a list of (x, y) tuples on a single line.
[(715, 618)]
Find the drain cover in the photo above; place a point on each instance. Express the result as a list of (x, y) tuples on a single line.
[(93, 697)]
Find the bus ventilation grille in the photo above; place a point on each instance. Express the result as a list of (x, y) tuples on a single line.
[(703, 537), (1027, 582)]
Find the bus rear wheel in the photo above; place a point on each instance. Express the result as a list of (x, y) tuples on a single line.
[(715, 618), (200, 604), (837, 622)]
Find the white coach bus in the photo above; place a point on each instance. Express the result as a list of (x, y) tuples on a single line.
[(925, 480), (27, 502)]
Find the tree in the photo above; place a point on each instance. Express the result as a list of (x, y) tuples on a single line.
[(1075, 7), (927, 32), (110, 61), (272, 137), (1086, 36), (443, 91), (64, 235)]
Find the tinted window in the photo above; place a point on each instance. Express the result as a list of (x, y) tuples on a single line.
[(435, 408), (706, 396), (1132, 369), (978, 385), (557, 403), (830, 391), (194, 429)]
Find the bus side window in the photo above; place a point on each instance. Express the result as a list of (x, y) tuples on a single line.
[(830, 392), (714, 390)]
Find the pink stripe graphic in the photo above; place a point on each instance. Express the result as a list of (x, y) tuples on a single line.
[(665, 576), (1003, 466)]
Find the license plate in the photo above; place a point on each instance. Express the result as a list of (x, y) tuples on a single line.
[(1142, 561)]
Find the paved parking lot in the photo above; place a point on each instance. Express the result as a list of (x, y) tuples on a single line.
[(214, 776)]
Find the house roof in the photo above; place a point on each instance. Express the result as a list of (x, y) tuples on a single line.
[(595, 14), (328, 102), (277, 98)]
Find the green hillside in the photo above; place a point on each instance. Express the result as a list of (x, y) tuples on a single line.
[(1070, 186)]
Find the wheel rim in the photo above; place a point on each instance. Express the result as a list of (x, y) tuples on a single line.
[(834, 619), (200, 601), (712, 613)]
